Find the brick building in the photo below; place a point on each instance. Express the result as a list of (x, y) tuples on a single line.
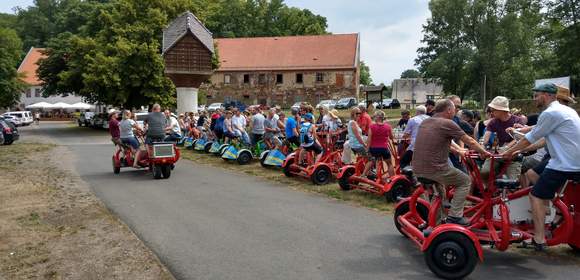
[(285, 70)]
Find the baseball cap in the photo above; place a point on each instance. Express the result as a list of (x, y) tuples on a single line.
[(309, 116), (549, 88)]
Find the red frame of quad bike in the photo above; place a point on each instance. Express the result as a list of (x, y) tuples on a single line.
[(484, 228), (330, 162), (350, 177), (145, 161)]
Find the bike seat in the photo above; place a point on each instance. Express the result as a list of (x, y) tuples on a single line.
[(426, 181), (407, 171), (509, 184)]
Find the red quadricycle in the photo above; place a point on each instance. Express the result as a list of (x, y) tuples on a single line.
[(498, 217), (321, 170), (394, 188), (159, 157)]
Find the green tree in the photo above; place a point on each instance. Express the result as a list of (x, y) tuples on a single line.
[(410, 74), (7, 21), (10, 53), (365, 74)]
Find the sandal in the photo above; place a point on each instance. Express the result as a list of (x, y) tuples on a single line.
[(538, 247)]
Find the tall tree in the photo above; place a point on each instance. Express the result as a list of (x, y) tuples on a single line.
[(410, 74), (10, 53), (365, 74)]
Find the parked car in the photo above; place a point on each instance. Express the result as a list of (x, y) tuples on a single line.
[(9, 132), (364, 103), (85, 118), (98, 120), (215, 106), (296, 106), (201, 107), (329, 103), (21, 118), (345, 103), (8, 118), (389, 103), (140, 117), (237, 104)]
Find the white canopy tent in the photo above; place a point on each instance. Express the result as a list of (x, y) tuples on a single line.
[(82, 106), (40, 105), (61, 105)]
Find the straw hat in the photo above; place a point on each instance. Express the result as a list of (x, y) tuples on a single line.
[(333, 114), (500, 103), (564, 94)]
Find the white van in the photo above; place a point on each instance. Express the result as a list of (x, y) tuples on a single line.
[(21, 118)]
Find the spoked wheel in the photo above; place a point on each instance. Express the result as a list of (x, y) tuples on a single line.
[(321, 175), (157, 173), (404, 208), (166, 171), (288, 167), (451, 255), (343, 181), (400, 189)]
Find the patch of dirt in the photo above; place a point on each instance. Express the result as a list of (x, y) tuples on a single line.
[(53, 227)]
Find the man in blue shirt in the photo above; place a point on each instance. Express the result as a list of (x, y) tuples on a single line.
[(291, 128), (560, 126)]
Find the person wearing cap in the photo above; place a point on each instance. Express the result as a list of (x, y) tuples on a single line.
[(291, 128), (308, 137), (114, 128), (502, 119), (560, 126)]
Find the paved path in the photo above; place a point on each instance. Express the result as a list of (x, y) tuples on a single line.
[(207, 223)]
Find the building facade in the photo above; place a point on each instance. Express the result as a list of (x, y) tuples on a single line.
[(285, 70), (33, 91), (416, 91)]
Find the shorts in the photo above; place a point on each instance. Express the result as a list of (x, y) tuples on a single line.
[(551, 181), (131, 141), (150, 139), (359, 151), (229, 135), (314, 147), (380, 153), (540, 167), (256, 138), (294, 140)]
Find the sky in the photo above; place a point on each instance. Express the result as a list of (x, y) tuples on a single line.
[(390, 30)]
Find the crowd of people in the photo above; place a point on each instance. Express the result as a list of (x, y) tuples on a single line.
[(437, 138)]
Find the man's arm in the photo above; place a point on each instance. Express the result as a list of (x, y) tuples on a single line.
[(474, 145), (538, 145)]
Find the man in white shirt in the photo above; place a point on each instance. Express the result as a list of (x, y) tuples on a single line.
[(239, 125), (411, 133), (172, 129), (560, 126)]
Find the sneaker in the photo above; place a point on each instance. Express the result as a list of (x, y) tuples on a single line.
[(462, 221), (538, 247)]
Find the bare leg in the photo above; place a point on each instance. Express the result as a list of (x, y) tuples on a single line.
[(367, 168), (390, 168), (539, 217)]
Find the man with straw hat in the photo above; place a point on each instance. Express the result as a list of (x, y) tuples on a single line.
[(502, 119), (560, 126), (564, 97)]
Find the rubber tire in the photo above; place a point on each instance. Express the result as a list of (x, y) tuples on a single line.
[(207, 147), (8, 142), (321, 175), (465, 255), (244, 158), (404, 208), (401, 189), (287, 168), (166, 171), (157, 171), (575, 248), (263, 160), (343, 181), (116, 169), (222, 150)]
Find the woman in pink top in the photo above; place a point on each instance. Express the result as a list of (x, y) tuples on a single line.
[(380, 136)]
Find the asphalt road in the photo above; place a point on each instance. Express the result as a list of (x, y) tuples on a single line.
[(207, 223)]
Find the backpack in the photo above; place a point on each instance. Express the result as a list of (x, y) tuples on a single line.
[(305, 137)]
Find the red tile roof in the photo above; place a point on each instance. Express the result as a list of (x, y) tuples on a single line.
[(288, 53), (28, 66)]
